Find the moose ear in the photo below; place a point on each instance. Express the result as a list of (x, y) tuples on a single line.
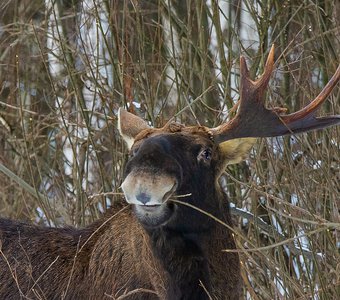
[(129, 125), (236, 150)]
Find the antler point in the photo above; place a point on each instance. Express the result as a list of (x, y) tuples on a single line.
[(243, 67)]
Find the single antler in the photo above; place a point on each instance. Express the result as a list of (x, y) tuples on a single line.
[(253, 119)]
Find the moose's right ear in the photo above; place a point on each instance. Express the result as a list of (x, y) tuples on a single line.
[(129, 125)]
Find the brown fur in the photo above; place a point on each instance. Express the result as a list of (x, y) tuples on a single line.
[(117, 258), (119, 255)]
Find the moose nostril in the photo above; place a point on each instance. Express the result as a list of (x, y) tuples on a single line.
[(143, 197)]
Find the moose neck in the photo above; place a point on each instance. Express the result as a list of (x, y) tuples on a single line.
[(184, 253), (184, 260)]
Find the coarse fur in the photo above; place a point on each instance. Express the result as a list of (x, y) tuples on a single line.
[(126, 252)]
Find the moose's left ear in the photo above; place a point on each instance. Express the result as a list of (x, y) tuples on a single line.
[(129, 125), (236, 150)]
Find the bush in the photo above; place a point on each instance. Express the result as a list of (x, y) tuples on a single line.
[(67, 67)]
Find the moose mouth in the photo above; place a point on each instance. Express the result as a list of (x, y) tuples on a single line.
[(154, 215), (149, 208), (150, 196)]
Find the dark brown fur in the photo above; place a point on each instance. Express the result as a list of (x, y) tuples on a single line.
[(117, 255), (46, 263)]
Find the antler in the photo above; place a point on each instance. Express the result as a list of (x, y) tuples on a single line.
[(253, 119)]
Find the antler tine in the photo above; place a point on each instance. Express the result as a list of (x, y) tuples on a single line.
[(253, 119), (248, 86), (268, 69), (316, 103), (262, 82)]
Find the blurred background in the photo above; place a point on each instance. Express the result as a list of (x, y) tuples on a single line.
[(66, 66)]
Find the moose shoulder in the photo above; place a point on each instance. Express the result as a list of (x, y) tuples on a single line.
[(163, 242)]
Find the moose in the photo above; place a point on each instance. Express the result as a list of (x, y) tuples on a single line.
[(165, 239)]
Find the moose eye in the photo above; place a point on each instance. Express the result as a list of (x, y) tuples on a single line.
[(133, 151), (205, 155)]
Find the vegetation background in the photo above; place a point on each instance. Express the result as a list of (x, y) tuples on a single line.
[(66, 66)]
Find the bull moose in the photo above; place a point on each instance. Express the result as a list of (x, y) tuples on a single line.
[(163, 241)]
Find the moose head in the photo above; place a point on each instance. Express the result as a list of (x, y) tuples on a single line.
[(175, 160)]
